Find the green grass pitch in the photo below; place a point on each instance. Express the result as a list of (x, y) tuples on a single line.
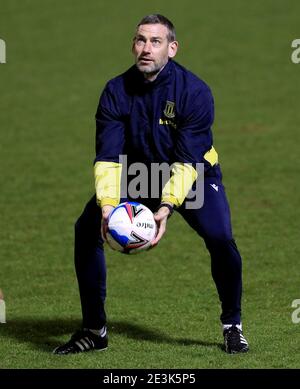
[(162, 306)]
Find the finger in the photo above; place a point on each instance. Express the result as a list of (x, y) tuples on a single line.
[(159, 216), (103, 234), (161, 231), (104, 229), (104, 223), (105, 216)]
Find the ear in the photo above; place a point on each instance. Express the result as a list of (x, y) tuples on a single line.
[(172, 49)]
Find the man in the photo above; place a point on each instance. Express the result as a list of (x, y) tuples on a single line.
[(158, 112)]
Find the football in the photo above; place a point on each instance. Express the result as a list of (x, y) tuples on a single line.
[(131, 228)]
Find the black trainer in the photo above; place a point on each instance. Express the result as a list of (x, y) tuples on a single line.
[(81, 341), (234, 340)]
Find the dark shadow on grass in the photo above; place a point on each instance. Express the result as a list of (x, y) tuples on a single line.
[(40, 333), (44, 334), (138, 332)]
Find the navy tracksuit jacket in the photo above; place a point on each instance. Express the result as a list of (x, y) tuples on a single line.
[(167, 120)]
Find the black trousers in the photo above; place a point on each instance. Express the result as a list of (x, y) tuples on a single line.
[(211, 222)]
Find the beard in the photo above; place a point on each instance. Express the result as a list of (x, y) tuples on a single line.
[(151, 68)]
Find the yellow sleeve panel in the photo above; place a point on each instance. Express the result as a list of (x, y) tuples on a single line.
[(182, 178), (211, 156), (108, 183)]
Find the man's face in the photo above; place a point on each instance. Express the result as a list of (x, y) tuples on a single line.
[(152, 49)]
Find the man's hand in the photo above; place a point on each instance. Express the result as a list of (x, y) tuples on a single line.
[(161, 217), (106, 211)]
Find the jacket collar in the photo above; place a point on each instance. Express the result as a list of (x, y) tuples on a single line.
[(162, 78)]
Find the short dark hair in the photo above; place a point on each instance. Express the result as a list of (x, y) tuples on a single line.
[(160, 19)]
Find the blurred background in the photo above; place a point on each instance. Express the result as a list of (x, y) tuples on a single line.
[(162, 306)]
